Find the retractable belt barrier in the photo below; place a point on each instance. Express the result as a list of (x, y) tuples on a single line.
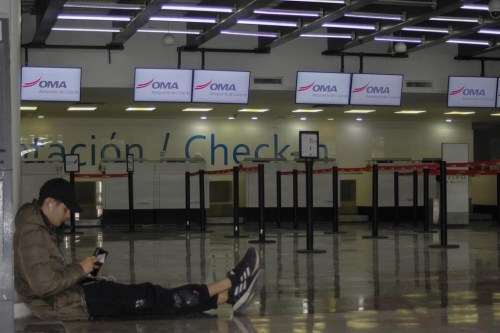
[(415, 170)]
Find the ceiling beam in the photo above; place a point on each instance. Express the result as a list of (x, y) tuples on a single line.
[(319, 22), (46, 19), (226, 23), (153, 7), (442, 8)]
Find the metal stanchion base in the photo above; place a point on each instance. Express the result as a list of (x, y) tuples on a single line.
[(258, 241), (70, 233), (427, 232), (311, 251), (239, 236), (335, 232), (374, 237), (449, 246)]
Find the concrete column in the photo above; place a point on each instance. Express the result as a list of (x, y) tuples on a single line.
[(10, 18)]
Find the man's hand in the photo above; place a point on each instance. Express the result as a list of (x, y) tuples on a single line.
[(87, 264)]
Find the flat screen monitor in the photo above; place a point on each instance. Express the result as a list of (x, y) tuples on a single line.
[(53, 84), (376, 89), (163, 85), (467, 91), (211, 86), (322, 88)]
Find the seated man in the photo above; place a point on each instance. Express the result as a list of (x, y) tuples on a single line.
[(53, 289)]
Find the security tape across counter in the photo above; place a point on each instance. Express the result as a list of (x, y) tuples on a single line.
[(160, 185)]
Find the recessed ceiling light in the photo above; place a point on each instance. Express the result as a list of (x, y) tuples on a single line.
[(303, 118), (329, 119), (359, 111), (253, 110), (410, 111), (82, 108), (41, 117), (197, 109), (94, 17), (255, 118), (462, 113), (495, 114), (231, 117), (307, 110), (448, 120), (85, 29), (140, 108), (359, 119), (203, 117), (28, 108)]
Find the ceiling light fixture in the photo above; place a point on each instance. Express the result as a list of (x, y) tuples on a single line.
[(253, 110), (359, 119), (359, 26), (474, 6), (470, 42), (448, 120), (203, 117), (231, 117), (157, 31), (28, 108), (489, 31), (82, 108), (250, 33), (132, 108), (183, 19), (399, 39), (94, 17), (359, 111), (339, 36), (495, 114), (303, 118), (197, 109), (197, 8), (307, 110), (457, 19), (377, 16), (429, 29), (287, 12), (269, 23), (255, 118), (86, 29), (89, 5), (41, 117), (461, 113), (329, 119), (410, 111)]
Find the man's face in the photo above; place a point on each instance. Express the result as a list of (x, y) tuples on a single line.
[(58, 213)]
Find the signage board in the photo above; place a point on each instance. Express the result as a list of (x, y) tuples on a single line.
[(464, 91), (162, 85), (54, 84), (220, 86), (376, 89), (322, 88)]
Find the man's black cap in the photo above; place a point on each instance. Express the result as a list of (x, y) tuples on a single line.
[(60, 189)]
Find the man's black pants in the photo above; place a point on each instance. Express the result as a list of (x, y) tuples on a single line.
[(111, 299)]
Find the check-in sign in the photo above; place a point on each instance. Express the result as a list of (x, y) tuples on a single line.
[(466, 91), (162, 85), (221, 86), (322, 88), (376, 89), (51, 84)]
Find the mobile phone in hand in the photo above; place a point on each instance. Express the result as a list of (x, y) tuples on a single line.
[(101, 255)]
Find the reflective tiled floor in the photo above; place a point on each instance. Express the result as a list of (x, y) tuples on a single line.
[(396, 284)]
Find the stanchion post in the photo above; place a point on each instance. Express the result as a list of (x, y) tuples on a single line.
[(426, 200), (335, 202), (443, 210), (72, 215), (278, 199), (188, 199), (396, 198), (130, 178), (415, 198), (498, 199), (236, 205), (262, 223), (375, 204), (203, 213), (295, 189)]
